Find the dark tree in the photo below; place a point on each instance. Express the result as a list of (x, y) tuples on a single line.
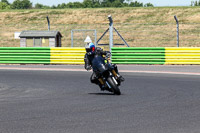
[(5, 1), (3, 6), (88, 3), (62, 6), (78, 5), (21, 4), (136, 4), (38, 6), (117, 3), (148, 5), (196, 3)]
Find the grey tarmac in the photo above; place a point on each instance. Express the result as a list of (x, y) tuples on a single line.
[(55, 99)]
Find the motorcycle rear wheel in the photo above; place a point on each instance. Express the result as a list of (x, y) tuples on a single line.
[(114, 87)]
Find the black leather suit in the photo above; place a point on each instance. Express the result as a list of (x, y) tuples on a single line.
[(89, 56)]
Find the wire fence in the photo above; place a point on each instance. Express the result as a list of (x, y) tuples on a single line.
[(136, 34), (146, 35)]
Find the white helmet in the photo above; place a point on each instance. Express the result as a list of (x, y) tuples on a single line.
[(90, 47)]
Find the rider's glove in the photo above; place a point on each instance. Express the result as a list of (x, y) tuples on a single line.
[(108, 55)]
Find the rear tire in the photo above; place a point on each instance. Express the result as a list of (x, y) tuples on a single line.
[(114, 87)]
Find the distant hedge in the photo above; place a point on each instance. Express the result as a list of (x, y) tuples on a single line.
[(26, 4)]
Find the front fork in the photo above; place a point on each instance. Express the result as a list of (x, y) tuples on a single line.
[(103, 81), (114, 77), (114, 73)]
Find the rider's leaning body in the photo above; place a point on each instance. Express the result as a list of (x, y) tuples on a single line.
[(96, 52), (91, 54)]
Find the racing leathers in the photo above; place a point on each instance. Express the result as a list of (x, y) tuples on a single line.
[(89, 56)]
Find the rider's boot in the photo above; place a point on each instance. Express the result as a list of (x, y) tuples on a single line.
[(120, 78), (102, 87), (101, 84), (116, 73)]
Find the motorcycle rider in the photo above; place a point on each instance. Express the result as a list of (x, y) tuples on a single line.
[(91, 51)]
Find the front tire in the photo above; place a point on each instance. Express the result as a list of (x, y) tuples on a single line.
[(114, 87)]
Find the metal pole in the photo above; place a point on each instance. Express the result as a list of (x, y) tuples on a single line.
[(121, 37), (177, 23), (48, 23), (111, 31), (95, 37), (71, 38), (102, 35)]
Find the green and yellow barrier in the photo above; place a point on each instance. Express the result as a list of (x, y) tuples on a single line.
[(130, 55), (41, 55), (182, 55), (138, 55), (67, 55), (158, 55), (28, 55)]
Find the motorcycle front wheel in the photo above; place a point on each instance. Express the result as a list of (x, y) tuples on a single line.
[(114, 87)]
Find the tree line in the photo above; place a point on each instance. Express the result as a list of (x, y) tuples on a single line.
[(195, 3), (26, 4), (17, 4)]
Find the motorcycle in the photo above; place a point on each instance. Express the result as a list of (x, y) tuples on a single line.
[(106, 74)]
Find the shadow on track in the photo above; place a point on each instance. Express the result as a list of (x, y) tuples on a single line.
[(109, 94)]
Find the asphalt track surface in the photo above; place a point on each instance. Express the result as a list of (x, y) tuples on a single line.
[(56, 99)]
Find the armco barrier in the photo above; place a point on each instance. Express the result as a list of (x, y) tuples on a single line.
[(67, 55), (28, 55), (138, 55)]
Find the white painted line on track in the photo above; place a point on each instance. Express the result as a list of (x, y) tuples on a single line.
[(83, 70), (42, 69), (162, 72)]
